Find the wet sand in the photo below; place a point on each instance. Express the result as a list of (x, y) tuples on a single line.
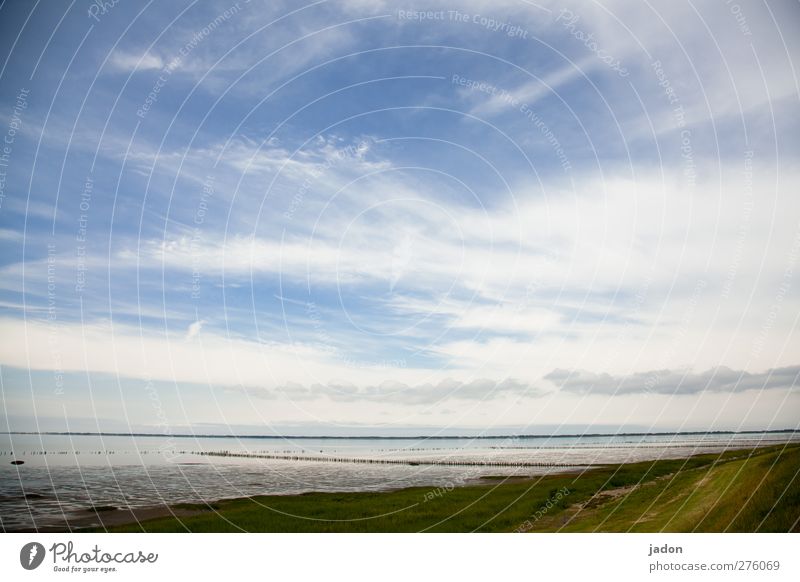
[(109, 517)]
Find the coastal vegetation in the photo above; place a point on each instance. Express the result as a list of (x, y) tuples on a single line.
[(750, 490)]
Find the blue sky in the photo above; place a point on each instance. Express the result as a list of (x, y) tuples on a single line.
[(353, 216)]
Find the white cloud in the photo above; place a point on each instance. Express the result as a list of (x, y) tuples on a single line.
[(129, 352), (393, 392), (536, 89), (127, 62), (194, 329), (720, 379)]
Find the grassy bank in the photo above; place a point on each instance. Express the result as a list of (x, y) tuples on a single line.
[(738, 491)]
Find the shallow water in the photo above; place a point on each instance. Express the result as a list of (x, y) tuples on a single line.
[(64, 474)]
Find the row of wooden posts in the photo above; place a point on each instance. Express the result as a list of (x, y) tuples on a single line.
[(332, 459), (370, 461)]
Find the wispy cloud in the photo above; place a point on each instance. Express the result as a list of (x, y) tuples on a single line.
[(401, 393), (530, 92), (675, 382), (128, 62)]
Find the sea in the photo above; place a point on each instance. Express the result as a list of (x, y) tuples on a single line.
[(47, 479)]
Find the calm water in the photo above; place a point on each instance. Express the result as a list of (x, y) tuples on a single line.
[(62, 475)]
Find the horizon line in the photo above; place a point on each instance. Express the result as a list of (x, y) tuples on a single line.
[(396, 437)]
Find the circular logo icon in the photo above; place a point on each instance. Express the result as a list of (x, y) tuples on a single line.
[(31, 555)]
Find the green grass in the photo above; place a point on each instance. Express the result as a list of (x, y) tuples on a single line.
[(742, 491)]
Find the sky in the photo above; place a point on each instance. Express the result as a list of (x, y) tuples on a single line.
[(378, 217)]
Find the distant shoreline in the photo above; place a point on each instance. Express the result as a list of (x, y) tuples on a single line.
[(410, 437)]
